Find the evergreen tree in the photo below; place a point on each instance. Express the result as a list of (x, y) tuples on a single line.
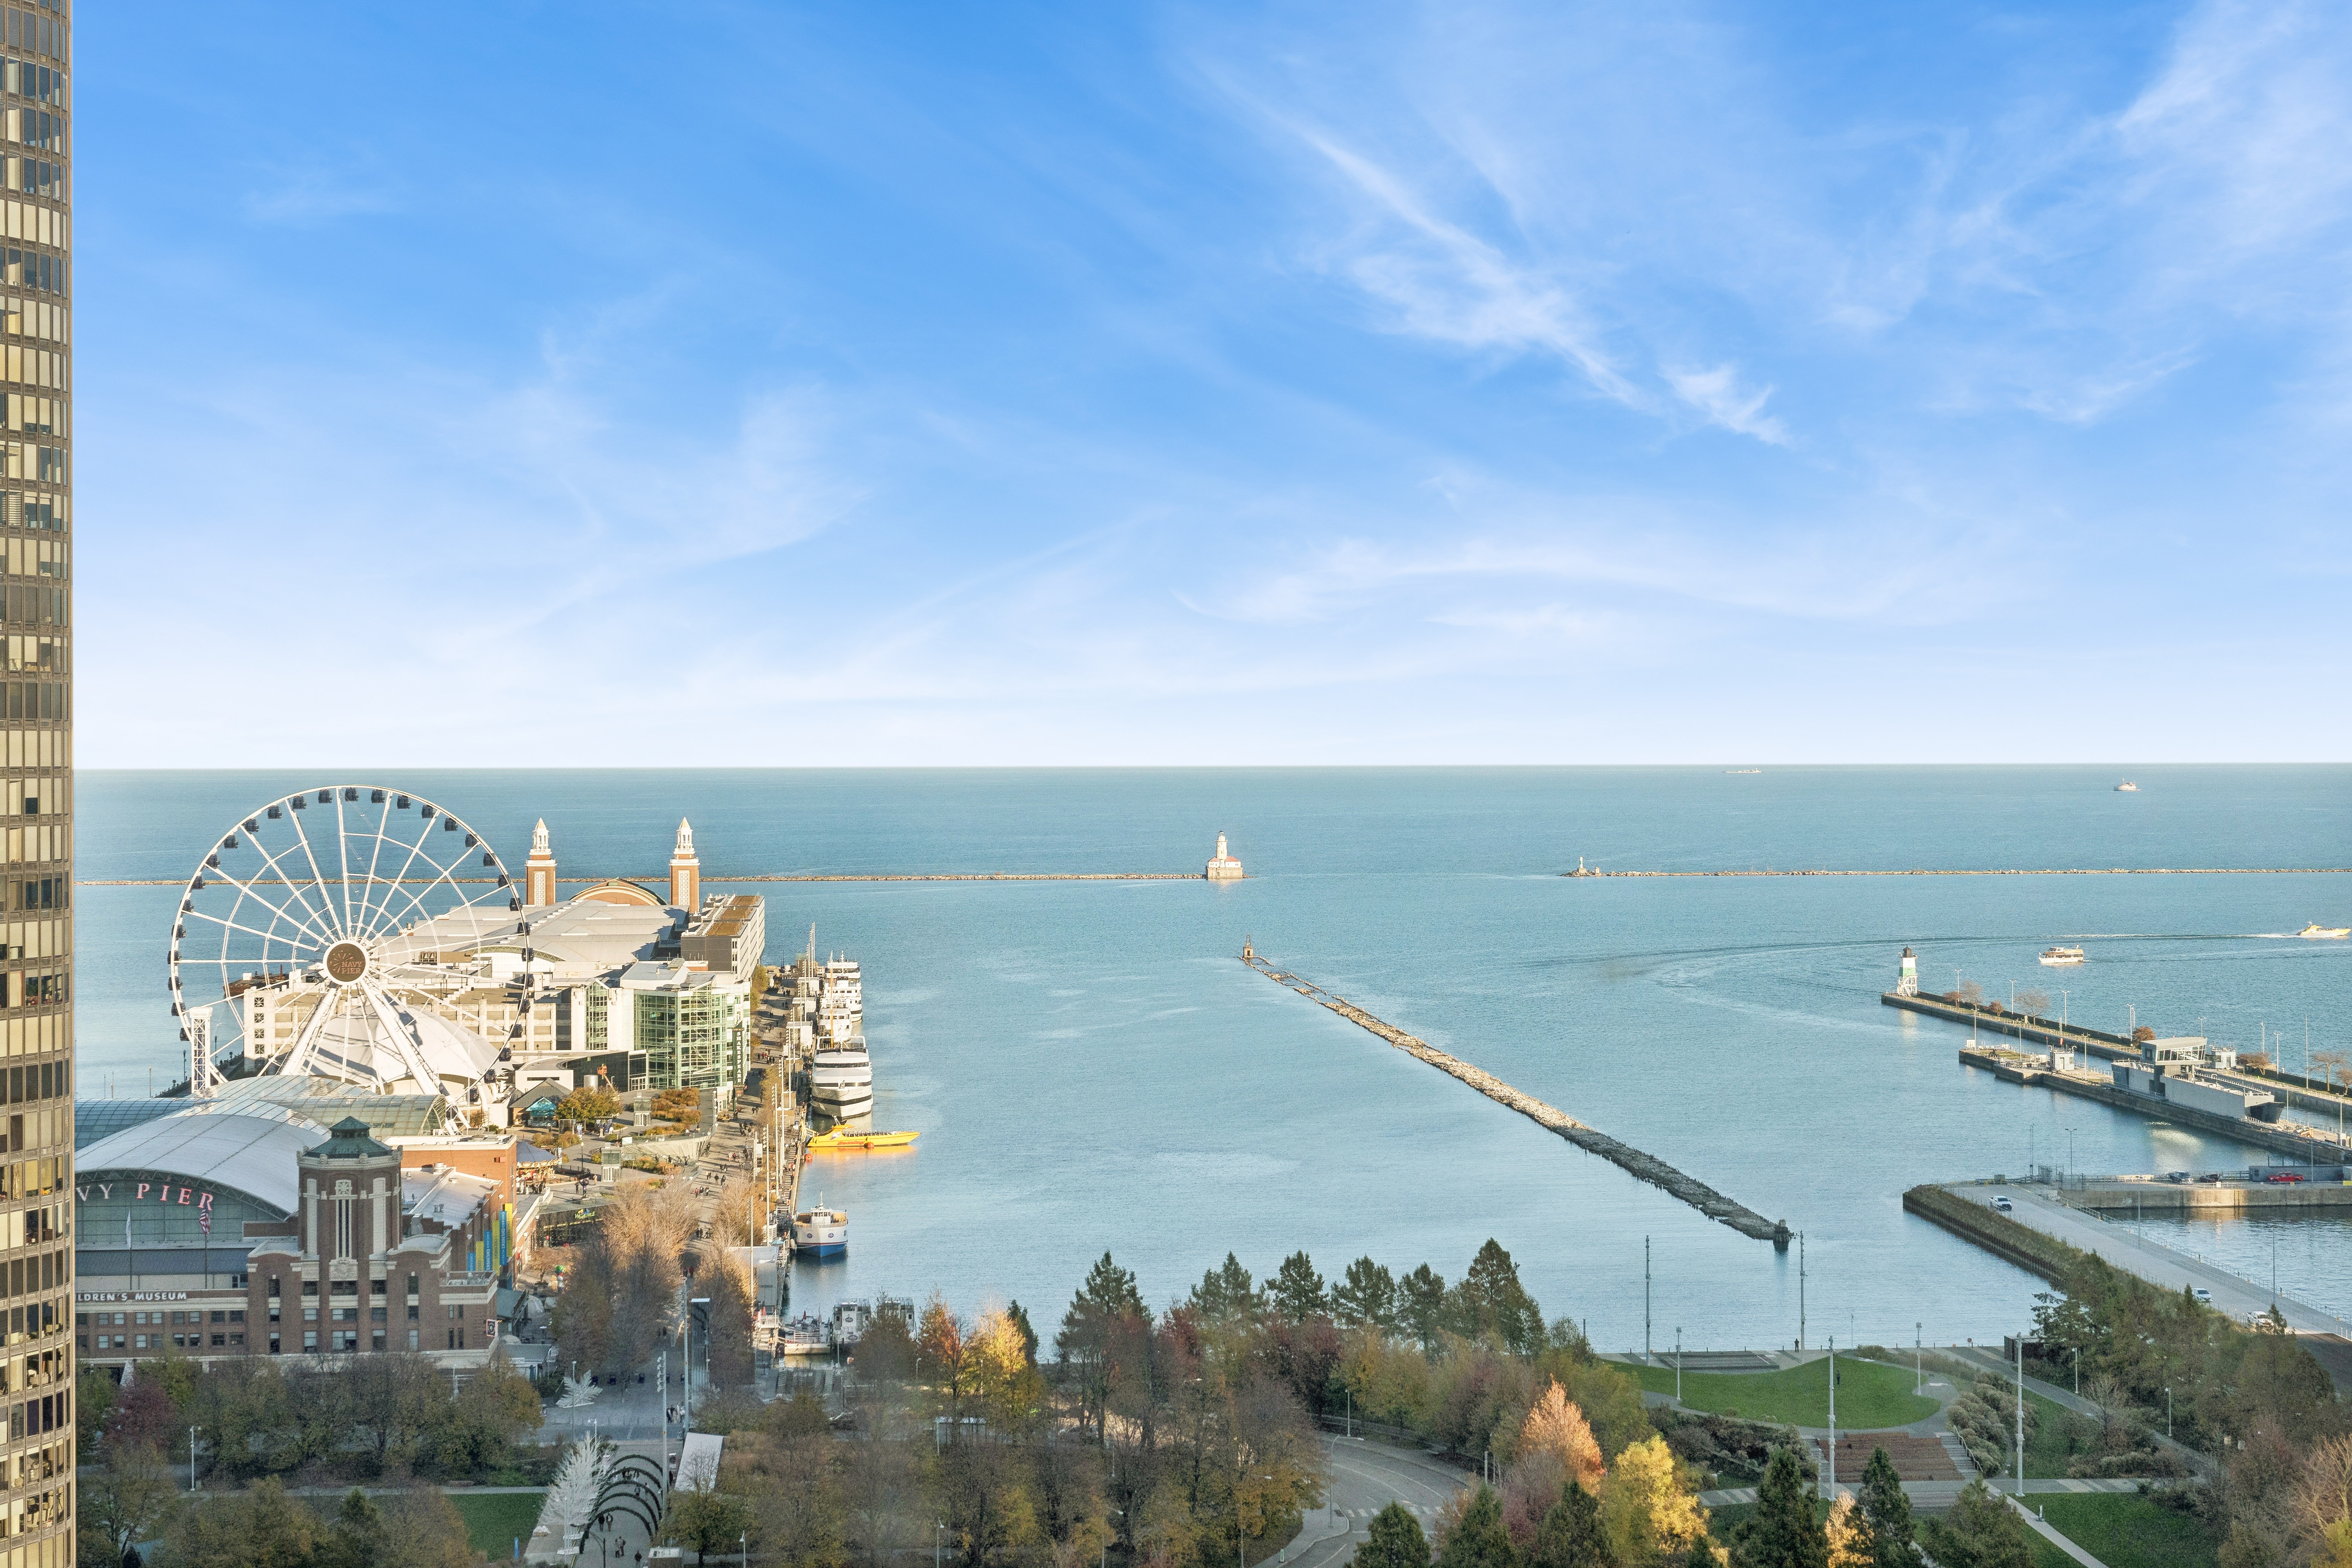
[(1479, 1538), (1886, 1516), (1298, 1290), (1492, 1303), (1395, 1540), (1421, 1303), (1020, 1322), (1225, 1291), (1109, 1291), (1571, 1534), (1981, 1531), (1368, 1295), (1786, 1532)]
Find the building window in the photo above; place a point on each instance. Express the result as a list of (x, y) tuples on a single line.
[(273, 1345), (239, 1339), (274, 1283), (309, 1341), (379, 1339), (220, 1339), (377, 1314), (411, 1338), (235, 1315)]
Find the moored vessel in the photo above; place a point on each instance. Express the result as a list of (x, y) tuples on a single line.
[(841, 1081), (842, 1138), (821, 1232), (803, 1335)]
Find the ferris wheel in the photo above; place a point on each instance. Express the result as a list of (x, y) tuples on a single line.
[(320, 931)]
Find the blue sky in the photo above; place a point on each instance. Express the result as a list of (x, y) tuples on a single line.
[(553, 383)]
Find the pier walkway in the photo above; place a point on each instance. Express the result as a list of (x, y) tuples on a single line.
[(1591, 1139)]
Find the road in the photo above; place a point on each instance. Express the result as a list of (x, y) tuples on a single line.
[(2152, 1261), (1366, 1477)]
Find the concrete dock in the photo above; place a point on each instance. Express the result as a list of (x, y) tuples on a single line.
[(1632, 1161)]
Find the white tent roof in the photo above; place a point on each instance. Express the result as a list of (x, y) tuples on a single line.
[(250, 1148)]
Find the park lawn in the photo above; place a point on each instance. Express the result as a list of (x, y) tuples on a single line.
[(2125, 1530), (1870, 1393), (493, 1520)]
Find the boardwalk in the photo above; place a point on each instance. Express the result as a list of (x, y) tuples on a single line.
[(1649, 1168)]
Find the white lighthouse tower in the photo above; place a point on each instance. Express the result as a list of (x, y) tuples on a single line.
[(1908, 986), (1223, 867)]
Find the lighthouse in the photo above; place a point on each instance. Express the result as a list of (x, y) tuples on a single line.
[(1223, 867), (1908, 986)]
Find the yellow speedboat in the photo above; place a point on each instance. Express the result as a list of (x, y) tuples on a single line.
[(2315, 929), (842, 1138)]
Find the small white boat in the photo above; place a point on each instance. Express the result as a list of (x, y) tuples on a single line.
[(2126, 787), (821, 1232), (2315, 929), (2057, 955)]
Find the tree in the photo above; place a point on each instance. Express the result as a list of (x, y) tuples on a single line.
[(1019, 1318), (94, 1396), (879, 1494), (1887, 1530), (799, 1502), (886, 1352), (1109, 1291), (260, 1528), (1784, 1533), (983, 1495), (941, 1352), (123, 1501), (1395, 1540), (590, 1103), (1366, 1296), (1492, 1303), (1479, 1539), (704, 1521), (1980, 1531), (143, 1416), (1556, 1426), (1572, 1535), (1651, 1515), (1843, 1530), (998, 1373), (729, 1330), (394, 1400), (479, 1430), (1225, 1293), (1422, 1305), (1297, 1289)]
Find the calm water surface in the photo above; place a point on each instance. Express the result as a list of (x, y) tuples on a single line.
[(1092, 1069)]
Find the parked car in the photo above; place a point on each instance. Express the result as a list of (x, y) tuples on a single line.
[(2201, 1293), (2283, 1178), (2003, 1206), (2176, 1175), (2210, 1177)]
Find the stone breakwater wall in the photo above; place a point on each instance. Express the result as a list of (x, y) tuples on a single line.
[(2011, 871), (1634, 1161)]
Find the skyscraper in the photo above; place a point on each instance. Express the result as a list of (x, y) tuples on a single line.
[(37, 1454)]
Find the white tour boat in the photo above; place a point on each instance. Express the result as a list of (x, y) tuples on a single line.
[(2056, 955)]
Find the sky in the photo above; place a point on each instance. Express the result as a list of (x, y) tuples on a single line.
[(593, 384)]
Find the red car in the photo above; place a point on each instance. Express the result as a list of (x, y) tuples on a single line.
[(2283, 1178)]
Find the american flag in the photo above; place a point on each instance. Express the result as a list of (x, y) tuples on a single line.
[(206, 1218)]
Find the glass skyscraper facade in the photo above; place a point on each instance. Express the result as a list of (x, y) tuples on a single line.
[(37, 1454)]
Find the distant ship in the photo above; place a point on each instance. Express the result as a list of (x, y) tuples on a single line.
[(821, 1232), (803, 1335), (2126, 787), (1736, 771), (2056, 955), (2315, 929)]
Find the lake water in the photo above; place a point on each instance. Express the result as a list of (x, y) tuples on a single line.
[(1092, 1069)]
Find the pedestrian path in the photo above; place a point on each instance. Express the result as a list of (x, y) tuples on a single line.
[(1940, 1494), (2049, 1532)]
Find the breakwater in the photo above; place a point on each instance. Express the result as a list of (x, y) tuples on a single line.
[(654, 877), (1591, 1139), (2005, 871)]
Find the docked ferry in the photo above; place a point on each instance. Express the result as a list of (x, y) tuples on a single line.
[(821, 1232)]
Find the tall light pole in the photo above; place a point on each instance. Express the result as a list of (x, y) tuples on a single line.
[(2021, 1412), (1646, 1357), (1831, 1490)]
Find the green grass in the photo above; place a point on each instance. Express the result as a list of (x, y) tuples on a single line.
[(493, 1520), (2125, 1530), (1869, 1393)]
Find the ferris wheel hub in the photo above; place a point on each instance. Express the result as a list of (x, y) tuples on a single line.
[(346, 962)]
